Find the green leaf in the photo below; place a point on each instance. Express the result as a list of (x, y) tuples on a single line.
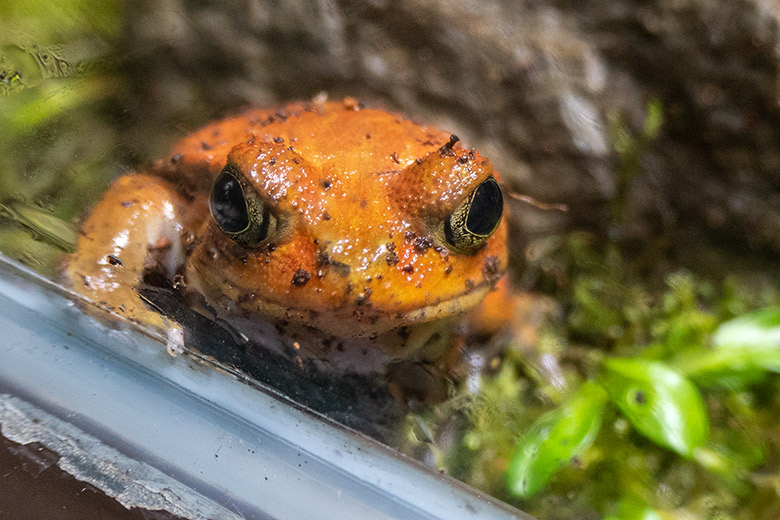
[(756, 329), (730, 368), (744, 348), (660, 403), (554, 439)]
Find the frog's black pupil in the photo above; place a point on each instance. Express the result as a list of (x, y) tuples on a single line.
[(228, 204), (486, 208)]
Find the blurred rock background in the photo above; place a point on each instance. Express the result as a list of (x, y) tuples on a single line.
[(556, 93)]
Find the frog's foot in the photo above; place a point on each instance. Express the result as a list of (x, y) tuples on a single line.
[(135, 234)]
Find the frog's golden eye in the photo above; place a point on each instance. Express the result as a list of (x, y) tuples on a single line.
[(477, 217), (238, 210)]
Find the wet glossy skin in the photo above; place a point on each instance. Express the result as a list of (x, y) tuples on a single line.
[(357, 272)]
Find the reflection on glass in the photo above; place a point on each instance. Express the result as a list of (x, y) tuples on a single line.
[(58, 144)]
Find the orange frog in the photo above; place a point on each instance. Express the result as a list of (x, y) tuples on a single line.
[(351, 237)]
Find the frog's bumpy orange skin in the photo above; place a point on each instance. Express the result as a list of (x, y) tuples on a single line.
[(357, 273)]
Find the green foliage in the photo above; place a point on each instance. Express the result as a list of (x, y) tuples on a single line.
[(742, 351), (659, 402), (758, 329), (689, 427), (556, 438)]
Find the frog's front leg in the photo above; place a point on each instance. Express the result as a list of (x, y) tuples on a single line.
[(140, 225)]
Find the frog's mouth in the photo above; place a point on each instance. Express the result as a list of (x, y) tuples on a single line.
[(360, 322), (345, 321)]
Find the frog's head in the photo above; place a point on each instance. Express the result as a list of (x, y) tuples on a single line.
[(353, 223)]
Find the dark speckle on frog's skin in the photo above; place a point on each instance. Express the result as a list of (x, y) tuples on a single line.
[(114, 260), (301, 278), (363, 297), (422, 244), (491, 268), (391, 257)]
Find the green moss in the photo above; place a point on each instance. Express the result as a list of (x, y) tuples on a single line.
[(612, 310)]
